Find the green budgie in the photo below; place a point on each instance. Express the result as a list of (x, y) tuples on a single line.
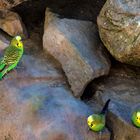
[(136, 118), (96, 122), (12, 55)]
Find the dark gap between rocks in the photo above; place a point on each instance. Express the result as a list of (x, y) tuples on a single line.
[(33, 12), (89, 91)]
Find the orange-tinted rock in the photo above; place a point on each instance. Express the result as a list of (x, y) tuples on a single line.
[(119, 28), (11, 23)]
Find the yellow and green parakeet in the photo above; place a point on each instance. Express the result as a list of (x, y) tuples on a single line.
[(136, 118), (12, 55), (96, 122)]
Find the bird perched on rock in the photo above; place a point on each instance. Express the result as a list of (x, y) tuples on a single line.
[(12, 55), (136, 118), (96, 122)]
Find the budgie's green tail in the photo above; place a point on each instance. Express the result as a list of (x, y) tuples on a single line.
[(6, 70), (1, 75), (105, 107), (2, 65)]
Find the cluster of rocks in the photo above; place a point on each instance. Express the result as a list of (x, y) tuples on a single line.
[(37, 100)]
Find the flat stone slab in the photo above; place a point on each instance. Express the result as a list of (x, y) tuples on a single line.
[(36, 102)]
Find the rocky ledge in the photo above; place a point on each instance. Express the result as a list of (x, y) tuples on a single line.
[(36, 102)]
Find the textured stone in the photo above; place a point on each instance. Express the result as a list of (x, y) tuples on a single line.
[(37, 104), (119, 27), (119, 120), (7, 4), (75, 44), (11, 23), (123, 88), (4, 42)]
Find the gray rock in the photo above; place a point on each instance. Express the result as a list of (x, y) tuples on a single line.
[(37, 104), (119, 27), (123, 88), (75, 44)]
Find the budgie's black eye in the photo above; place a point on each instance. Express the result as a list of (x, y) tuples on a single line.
[(91, 125), (17, 44)]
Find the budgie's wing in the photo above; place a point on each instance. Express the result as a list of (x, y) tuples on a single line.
[(99, 122), (99, 127), (99, 119), (11, 55)]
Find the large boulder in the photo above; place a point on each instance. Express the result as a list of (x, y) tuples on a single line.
[(122, 86), (37, 104), (119, 27), (11, 23), (76, 45)]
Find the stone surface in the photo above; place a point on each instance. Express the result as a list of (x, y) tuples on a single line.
[(4, 42), (39, 111), (7, 4), (75, 44), (37, 104), (122, 86), (119, 121), (119, 27), (11, 23)]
